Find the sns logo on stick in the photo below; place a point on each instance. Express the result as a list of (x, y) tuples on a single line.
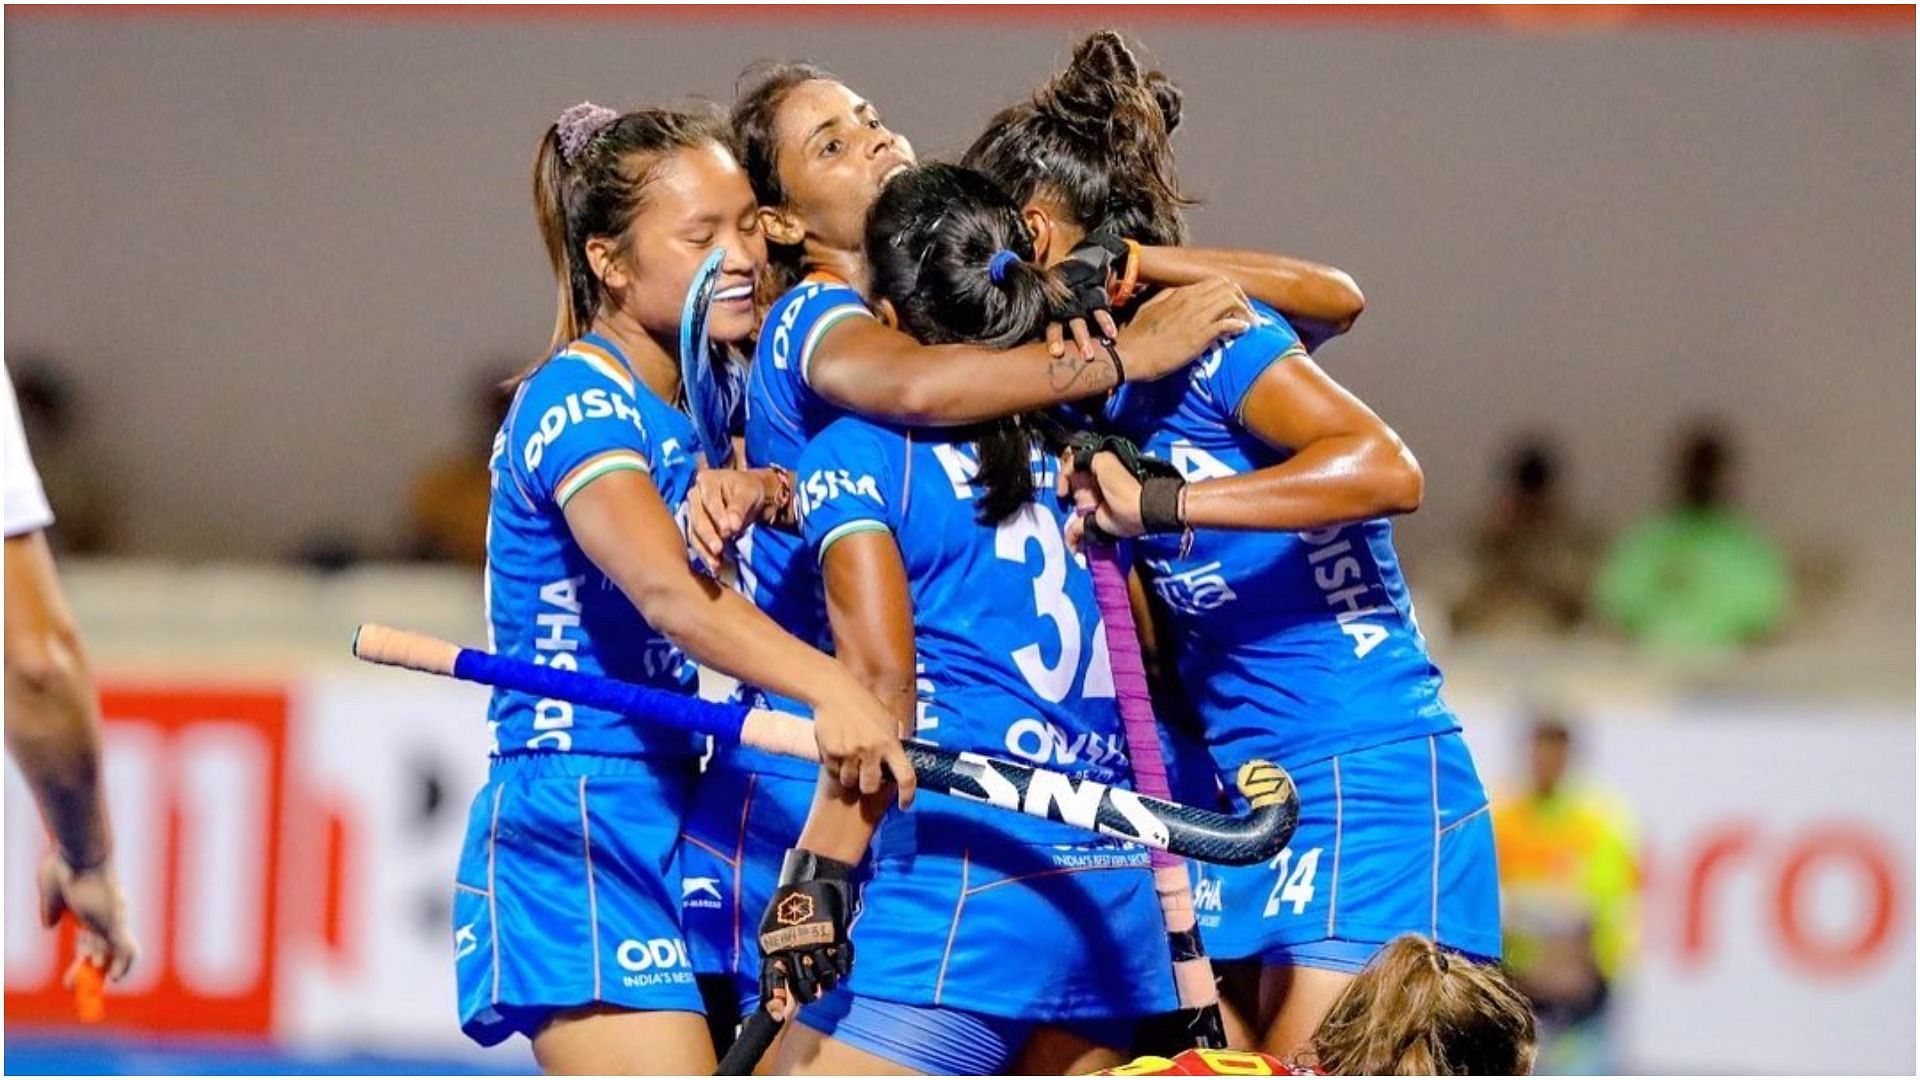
[(1087, 804), (1263, 783)]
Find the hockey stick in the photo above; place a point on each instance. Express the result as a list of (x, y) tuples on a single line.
[(707, 401), (755, 1036), (1192, 974), (1158, 824)]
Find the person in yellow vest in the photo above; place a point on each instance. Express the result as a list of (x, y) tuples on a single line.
[(1569, 901)]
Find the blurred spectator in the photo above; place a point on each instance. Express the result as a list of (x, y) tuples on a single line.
[(448, 501), (52, 412), (1532, 563), (1569, 902), (1700, 575), (330, 551)]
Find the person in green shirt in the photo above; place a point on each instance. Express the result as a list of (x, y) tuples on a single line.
[(1699, 576)]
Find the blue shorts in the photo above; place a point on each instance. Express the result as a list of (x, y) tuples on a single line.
[(742, 822), (568, 892), (972, 909), (1392, 839), (941, 1042)]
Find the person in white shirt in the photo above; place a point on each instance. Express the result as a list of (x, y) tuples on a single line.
[(53, 720)]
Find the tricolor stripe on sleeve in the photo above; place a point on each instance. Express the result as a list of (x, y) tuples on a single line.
[(846, 529), (595, 467), (603, 362), (831, 318)]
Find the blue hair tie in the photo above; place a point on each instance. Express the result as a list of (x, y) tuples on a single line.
[(997, 267)]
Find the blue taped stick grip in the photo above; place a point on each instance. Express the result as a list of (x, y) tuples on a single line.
[(720, 719)]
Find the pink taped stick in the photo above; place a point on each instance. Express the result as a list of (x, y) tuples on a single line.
[(1192, 978), (779, 733), (1130, 688), (1175, 890)]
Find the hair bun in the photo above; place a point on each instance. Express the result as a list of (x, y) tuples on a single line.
[(1085, 96), (1104, 55)]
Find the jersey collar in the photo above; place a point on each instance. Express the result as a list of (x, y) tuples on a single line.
[(606, 345)]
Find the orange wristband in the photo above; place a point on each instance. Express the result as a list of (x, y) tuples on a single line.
[(1130, 276)]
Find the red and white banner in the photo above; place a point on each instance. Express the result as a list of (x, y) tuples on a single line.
[(1777, 851), (196, 783), (288, 857), (289, 854)]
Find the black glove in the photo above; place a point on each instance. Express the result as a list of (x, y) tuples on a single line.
[(1085, 271), (803, 936), (1160, 482)]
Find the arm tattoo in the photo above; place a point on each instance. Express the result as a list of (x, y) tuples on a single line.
[(1079, 375)]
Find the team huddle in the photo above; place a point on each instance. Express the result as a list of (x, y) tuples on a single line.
[(910, 354)]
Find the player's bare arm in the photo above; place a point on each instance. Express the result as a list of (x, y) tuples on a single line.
[(622, 524), (866, 367), (1347, 464)]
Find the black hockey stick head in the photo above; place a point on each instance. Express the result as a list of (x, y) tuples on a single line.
[(756, 1035), (1189, 831)]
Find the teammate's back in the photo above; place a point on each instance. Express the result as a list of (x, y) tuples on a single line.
[(1012, 658)]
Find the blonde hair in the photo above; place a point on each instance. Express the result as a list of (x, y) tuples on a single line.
[(1417, 1011)]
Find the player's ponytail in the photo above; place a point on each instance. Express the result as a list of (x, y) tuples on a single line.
[(949, 253), (590, 175), (1096, 137), (1418, 1011), (550, 209)]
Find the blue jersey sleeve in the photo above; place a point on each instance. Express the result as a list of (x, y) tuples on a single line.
[(849, 481), (1230, 370), (803, 317), (573, 423), (782, 411)]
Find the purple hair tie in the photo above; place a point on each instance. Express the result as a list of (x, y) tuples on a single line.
[(578, 126), (997, 266)]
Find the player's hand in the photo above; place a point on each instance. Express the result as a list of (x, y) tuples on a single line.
[(1058, 332), (1107, 493), (94, 898), (722, 503), (1177, 325), (804, 947), (1087, 274), (857, 738)]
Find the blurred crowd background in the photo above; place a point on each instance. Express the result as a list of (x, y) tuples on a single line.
[(1639, 292)]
